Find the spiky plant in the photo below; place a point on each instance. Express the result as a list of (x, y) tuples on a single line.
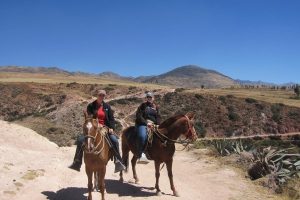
[(281, 164), (226, 147)]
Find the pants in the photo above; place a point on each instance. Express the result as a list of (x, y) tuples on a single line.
[(79, 151), (115, 142), (142, 138)]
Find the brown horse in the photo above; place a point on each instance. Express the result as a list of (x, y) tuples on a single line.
[(96, 154), (163, 145)]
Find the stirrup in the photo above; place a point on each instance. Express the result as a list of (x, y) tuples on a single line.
[(143, 159), (119, 166)]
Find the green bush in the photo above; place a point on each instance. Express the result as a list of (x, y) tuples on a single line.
[(200, 129)]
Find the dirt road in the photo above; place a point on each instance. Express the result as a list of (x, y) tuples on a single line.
[(31, 167)]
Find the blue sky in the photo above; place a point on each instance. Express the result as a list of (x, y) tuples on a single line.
[(243, 39)]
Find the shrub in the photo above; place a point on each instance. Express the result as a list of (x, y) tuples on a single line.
[(200, 129), (179, 89), (108, 88), (233, 116), (132, 88), (250, 100), (199, 96), (222, 99), (276, 111)]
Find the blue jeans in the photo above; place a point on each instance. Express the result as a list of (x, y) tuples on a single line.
[(114, 141), (142, 138)]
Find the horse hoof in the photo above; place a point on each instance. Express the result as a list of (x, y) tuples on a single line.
[(176, 194), (158, 193), (121, 180)]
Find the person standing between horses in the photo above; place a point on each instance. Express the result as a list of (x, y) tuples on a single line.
[(147, 114), (103, 112)]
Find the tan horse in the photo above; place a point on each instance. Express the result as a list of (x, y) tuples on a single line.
[(162, 148), (96, 154)]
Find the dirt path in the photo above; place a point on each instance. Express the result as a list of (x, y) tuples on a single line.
[(31, 167)]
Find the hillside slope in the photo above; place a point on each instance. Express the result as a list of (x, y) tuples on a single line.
[(192, 76)]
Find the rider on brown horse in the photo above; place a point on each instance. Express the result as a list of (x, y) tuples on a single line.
[(103, 112), (147, 114)]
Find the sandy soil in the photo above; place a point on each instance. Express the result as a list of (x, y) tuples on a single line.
[(31, 167)]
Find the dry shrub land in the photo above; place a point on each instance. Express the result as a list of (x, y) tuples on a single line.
[(55, 111)]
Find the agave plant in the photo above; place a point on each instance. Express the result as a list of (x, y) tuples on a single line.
[(226, 147), (279, 163)]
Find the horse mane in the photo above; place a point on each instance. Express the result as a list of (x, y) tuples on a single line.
[(169, 121)]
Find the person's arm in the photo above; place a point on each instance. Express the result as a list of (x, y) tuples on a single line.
[(89, 109), (140, 116), (111, 118), (158, 116)]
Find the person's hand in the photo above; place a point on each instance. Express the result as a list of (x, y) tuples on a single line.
[(149, 125), (110, 130)]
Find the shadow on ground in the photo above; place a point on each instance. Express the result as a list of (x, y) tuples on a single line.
[(127, 189), (112, 187), (66, 193)]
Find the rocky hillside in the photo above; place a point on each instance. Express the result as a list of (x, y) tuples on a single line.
[(55, 110), (191, 76)]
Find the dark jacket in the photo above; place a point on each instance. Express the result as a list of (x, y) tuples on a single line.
[(109, 121), (142, 115)]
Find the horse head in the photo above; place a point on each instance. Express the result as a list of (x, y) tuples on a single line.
[(90, 128), (191, 132)]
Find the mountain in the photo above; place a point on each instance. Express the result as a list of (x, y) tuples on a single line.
[(112, 75), (191, 76), (36, 70)]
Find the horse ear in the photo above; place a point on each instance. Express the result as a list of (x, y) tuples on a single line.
[(85, 114), (95, 122), (191, 115)]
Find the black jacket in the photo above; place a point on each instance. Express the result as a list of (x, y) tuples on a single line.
[(109, 121), (142, 116)]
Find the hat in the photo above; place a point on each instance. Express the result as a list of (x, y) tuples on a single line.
[(149, 94), (101, 92)]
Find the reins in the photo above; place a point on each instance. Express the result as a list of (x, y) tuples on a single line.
[(98, 144), (166, 139)]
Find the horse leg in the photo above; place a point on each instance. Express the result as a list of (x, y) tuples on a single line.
[(89, 174), (133, 164), (96, 184), (101, 175), (157, 174), (125, 156), (170, 174)]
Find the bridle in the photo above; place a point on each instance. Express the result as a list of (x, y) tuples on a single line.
[(96, 146), (165, 139)]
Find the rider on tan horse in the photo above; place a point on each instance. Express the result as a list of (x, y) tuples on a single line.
[(103, 112)]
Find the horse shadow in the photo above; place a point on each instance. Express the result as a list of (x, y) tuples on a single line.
[(73, 193), (112, 187), (127, 189)]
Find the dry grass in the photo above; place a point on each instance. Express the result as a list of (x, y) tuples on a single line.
[(267, 95), (53, 78)]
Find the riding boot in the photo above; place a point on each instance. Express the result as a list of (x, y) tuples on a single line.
[(119, 166), (76, 165)]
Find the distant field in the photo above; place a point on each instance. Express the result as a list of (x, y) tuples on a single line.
[(53, 78), (267, 95)]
